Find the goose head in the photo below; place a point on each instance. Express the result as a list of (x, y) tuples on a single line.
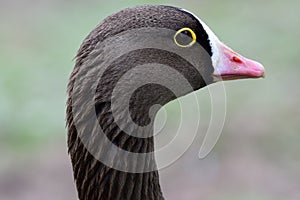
[(131, 62)]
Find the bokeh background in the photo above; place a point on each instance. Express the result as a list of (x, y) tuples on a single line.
[(258, 154)]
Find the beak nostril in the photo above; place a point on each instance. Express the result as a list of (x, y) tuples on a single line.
[(236, 59)]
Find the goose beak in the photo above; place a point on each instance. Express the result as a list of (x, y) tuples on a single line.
[(231, 66)]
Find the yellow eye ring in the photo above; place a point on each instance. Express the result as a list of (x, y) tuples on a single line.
[(193, 34)]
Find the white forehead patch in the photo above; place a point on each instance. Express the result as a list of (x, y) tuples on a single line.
[(214, 40)]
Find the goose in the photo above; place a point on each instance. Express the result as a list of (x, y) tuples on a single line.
[(121, 72)]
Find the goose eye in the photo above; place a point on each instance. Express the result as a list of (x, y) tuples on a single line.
[(185, 37)]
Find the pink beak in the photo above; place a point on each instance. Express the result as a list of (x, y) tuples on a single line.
[(231, 66)]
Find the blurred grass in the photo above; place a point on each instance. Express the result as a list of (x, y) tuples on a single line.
[(39, 41)]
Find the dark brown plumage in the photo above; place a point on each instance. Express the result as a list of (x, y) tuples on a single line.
[(95, 180)]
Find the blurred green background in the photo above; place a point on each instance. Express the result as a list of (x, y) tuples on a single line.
[(258, 155)]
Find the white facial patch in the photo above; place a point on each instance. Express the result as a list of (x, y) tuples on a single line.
[(214, 40)]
